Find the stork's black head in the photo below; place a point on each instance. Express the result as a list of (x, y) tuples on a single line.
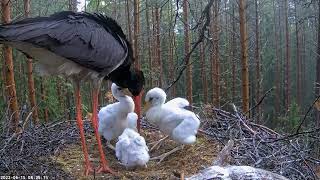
[(136, 82), (127, 77)]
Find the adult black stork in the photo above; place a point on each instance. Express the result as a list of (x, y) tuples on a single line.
[(81, 46)]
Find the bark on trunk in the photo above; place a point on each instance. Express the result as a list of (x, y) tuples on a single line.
[(153, 69), (32, 92), (216, 59), (287, 71), (128, 21), (277, 67), (158, 46), (244, 56), (298, 64), (149, 42), (171, 53), (186, 50), (317, 88), (73, 5), (212, 58), (233, 56), (303, 60), (44, 98), (60, 93), (136, 32), (10, 82), (257, 57), (203, 73)]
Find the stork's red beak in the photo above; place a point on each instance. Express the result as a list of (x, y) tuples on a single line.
[(137, 109)]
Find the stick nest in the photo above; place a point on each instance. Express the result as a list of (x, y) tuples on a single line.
[(54, 150), (292, 156)]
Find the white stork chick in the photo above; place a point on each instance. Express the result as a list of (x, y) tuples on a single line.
[(171, 118), (178, 102), (113, 118), (131, 148)]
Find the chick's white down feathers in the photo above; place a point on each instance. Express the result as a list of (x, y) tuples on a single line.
[(178, 102), (118, 120), (171, 118), (113, 118), (132, 119), (131, 149)]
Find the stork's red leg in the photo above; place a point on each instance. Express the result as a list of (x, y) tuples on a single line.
[(137, 109), (88, 167), (103, 162)]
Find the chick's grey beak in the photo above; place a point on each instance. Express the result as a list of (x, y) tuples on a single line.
[(126, 92)]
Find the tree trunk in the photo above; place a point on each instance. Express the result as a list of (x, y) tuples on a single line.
[(32, 92), (68, 101), (174, 45), (233, 56), (257, 57), (149, 42), (224, 66), (128, 21), (203, 73), (136, 55), (22, 79), (303, 60), (287, 66), (3, 76), (186, 50), (317, 88), (158, 46), (244, 56), (114, 10), (10, 82), (298, 56), (60, 93), (281, 74), (277, 67), (136, 32), (171, 52), (216, 61), (73, 5), (97, 6), (44, 98), (212, 57), (154, 70)]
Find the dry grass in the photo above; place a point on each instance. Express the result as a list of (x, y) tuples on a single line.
[(189, 160)]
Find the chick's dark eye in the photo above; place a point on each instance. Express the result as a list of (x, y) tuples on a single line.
[(119, 89), (150, 99)]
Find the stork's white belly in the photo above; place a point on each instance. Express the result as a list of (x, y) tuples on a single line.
[(49, 63)]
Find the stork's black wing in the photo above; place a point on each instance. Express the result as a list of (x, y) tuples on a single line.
[(93, 41)]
